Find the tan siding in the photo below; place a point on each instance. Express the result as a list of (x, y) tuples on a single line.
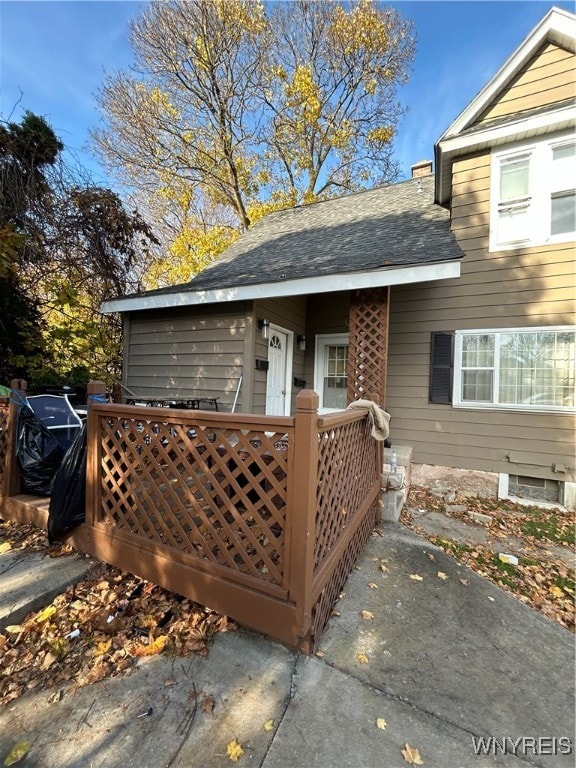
[(288, 313), (548, 78), (507, 289), (327, 313), (187, 352)]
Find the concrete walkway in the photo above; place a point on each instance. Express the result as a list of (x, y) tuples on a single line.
[(443, 661)]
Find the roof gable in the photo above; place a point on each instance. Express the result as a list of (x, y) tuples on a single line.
[(558, 27), (514, 104)]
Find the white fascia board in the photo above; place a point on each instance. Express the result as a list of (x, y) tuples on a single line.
[(323, 284), (490, 136), (558, 25)]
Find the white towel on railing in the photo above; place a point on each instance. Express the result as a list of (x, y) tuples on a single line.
[(379, 418)]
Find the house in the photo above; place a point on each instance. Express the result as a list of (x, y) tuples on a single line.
[(449, 298)]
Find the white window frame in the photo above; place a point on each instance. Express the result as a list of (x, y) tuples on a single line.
[(322, 341), (538, 201), (457, 401)]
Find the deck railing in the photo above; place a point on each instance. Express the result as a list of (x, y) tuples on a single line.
[(259, 517)]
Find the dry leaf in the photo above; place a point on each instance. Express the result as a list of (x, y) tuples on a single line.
[(234, 750), (208, 704), (411, 755), (384, 568), (416, 577), (362, 658), (5, 547), (17, 753), (381, 723), (269, 725), (372, 585), (490, 598), (556, 591), (14, 629), (442, 575), (465, 582), (154, 648), (102, 647), (45, 614), (368, 615)]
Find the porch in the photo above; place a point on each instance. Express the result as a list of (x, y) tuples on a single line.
[(260, 517)]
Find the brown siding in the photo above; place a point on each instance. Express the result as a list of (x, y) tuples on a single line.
[(548, 78), (515, 288), (192, 351)]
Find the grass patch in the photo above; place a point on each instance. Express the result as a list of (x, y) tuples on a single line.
[(550, 528)]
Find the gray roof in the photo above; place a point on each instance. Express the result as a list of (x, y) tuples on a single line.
[(391, 226)]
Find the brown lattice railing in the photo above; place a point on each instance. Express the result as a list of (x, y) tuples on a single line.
[(4, 440), (215, 493), (258, 517)]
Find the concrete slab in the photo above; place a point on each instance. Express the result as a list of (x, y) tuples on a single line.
[(466, 653), (437, 524), (30, 580), (248, 677), (331, 722)]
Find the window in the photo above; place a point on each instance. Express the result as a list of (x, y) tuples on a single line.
[(526, 369), (331, 374), (533, 199)]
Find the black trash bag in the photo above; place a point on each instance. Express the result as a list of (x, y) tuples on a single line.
[(68, 499), (38, 453)]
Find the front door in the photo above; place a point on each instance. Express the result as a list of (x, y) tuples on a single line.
[(279, 373)]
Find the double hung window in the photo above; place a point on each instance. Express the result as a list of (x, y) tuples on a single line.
[(533, 197), (526, 369)]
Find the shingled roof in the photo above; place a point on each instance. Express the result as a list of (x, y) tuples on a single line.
[(384, 228)]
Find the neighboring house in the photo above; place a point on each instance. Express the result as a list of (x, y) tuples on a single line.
[(449, 298)]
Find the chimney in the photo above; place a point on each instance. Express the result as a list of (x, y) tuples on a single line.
[(422, 168)]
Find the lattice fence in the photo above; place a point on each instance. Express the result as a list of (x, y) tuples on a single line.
[(214, 493), (346, 453), (347, 507), (4, 438), (368, 346)]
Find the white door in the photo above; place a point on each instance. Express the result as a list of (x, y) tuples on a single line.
[(279, 372)]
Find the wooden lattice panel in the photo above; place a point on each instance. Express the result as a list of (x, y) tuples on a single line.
[(329, 595), (368, 345), (346, 454), (218, 494), (4, 437)]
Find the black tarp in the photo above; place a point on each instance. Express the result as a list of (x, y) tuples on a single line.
[(38, 453), (68, 499)]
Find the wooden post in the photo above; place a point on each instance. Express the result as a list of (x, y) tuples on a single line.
[(302, 511), (117, 393), (95, 392), (12, 479)]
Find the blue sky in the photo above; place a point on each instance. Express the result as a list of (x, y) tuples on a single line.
[(53, 56)]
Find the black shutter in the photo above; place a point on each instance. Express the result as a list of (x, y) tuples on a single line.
[(441, 367)]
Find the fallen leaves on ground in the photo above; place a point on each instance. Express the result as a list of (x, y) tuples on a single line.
[(234, 750), (411, 755), (98, 629), (381, 723), (537, 536), (17, 753)]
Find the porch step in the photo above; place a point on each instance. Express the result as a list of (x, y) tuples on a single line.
[(395, 485)]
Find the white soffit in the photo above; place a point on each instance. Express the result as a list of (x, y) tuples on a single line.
[(322, 284)]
